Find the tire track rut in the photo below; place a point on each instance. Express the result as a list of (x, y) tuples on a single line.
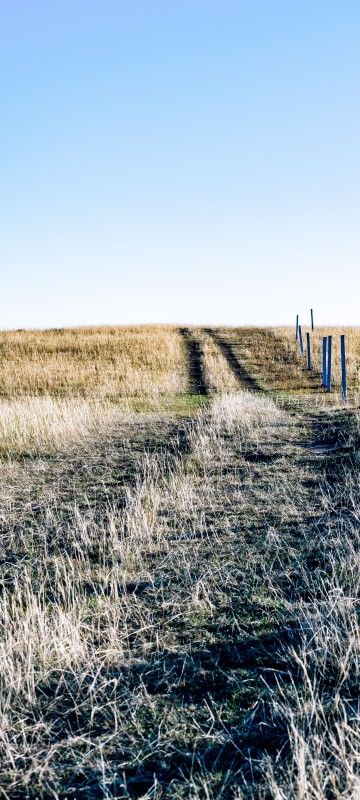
[(237, 367), (195, 360)]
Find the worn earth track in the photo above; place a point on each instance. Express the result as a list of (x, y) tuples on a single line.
[(195, 360)]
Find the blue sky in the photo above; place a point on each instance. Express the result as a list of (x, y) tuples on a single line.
[(179, 161)]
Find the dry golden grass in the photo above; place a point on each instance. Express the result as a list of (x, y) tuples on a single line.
[(73, 631), (263, 359), (104, 362), (34, 426), (139, 659), (287, 335), (179, 612)]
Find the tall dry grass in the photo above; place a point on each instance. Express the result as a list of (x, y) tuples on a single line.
[(73, 634), (35, 426), (103, 362), (320, 709), (72, 627), (109, 616)]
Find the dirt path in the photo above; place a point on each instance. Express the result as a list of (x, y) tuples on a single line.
[(195, 360)]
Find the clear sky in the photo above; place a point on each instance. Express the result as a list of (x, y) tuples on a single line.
[(179, 161)]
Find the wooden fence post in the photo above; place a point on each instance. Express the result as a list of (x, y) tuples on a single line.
[(324, 360), (301, 341), (343, 367), (308, 351), (297, 327), (328, 376)]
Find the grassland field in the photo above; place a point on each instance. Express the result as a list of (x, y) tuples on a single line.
[(179, 565)]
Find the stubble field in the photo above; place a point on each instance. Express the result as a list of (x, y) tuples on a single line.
[(179, 566)]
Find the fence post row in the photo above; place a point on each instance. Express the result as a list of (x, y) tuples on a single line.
[(308, 351), (301, 341), (343, 367), (329, 350), (326, 355), (324, 360)]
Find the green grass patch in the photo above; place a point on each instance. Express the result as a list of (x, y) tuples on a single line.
[(183, 404)]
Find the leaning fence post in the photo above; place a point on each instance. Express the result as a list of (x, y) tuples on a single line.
[(324, 361), (312, 319), (301, 341), (297, 327), (308, 351), (343, 367), (328, 377)]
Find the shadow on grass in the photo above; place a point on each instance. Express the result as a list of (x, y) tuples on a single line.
[(238, 369)]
